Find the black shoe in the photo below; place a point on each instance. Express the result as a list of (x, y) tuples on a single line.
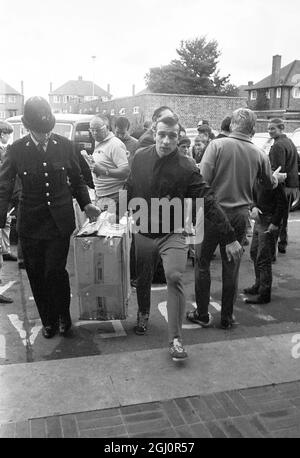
[(48, 331), (5, 300), (21, 265), (227, 323), (64, 326), (133, 283), (258, 300), (281, 249), (9, 257), (251, 290)]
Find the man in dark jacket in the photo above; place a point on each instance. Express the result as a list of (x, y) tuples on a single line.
[(45, 162), (160, 172), (284, 153)]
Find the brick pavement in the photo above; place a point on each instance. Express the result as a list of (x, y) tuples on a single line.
[(268, 411)]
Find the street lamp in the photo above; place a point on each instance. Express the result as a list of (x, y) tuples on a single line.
[(93, 58)]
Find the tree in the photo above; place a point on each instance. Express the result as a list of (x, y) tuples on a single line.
[(194, 72)]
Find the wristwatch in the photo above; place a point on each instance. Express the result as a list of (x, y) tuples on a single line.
[(107, 172)]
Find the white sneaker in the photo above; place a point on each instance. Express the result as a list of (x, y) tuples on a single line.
[(177, 351)]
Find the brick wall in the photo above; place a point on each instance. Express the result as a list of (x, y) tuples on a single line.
[(190, 108), (290, 125)]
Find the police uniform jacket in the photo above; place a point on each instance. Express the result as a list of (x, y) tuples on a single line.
[(46, 206)]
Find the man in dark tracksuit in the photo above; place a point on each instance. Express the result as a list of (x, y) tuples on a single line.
[(267, 211), (284, 153), (45, 163)]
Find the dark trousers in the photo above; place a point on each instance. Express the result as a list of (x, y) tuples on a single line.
[(230, 269), (261, 255), (45, 263), (283, 228)]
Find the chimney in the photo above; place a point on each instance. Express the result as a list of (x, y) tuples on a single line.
[(250, 83), (50, 88), (79, 78), (276, 66), (133, 90), (22, 87), (108, 88)]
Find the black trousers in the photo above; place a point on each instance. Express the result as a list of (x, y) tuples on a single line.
[(45, 263)]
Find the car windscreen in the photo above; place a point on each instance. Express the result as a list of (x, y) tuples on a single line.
[(63, 129)]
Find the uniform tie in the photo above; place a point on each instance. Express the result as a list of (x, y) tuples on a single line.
[(40, 147)]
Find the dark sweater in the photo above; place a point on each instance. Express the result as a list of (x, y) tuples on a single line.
[(284, 153), (270, 202), (173, 176)]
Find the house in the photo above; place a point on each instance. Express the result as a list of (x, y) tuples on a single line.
[(278, 91), (11, 101), (75, 92)]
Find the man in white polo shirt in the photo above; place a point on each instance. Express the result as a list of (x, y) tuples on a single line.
[(110, 164)]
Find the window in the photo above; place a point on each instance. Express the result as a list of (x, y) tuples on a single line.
[(97, 109), (2, 98), (296, 92), (112, 112), (122, 111), (104, 98), (268, 93), (278, 93), (253, 95), (136, 110), (12, 99), (2, 115), (66, 99), (56, 99)]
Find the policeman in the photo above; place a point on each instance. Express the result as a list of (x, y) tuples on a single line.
[(47, 166)]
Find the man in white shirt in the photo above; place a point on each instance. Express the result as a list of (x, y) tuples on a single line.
[(110, 164)]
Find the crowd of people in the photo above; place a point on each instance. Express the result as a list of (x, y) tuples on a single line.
[(234, 178)]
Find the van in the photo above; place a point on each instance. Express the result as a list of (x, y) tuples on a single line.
[(73, 126)]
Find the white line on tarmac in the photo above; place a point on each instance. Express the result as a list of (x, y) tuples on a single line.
[(158, 288), (294, 221), (7, 286), (2, 347)]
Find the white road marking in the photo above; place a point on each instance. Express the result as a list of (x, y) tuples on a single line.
[(7, 286), (293, 221), (18, 325), (2, 347), (162, 307)]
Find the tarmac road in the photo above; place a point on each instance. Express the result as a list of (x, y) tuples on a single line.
[(20, 327)]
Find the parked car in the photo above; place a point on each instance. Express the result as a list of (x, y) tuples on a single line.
[(73, 126), (263, 141)]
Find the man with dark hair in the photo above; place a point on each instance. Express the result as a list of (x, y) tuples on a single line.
[(225, 127), (203, 126), (160, 172), (5, 254), (45, 163), (122, 126), (230, 166), (148, 137), (284, 153)]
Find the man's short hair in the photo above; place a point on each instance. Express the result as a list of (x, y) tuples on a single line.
[(184, 141), (278, 122), (243, 120), (204, 129), (103, 118), (169, 121), (5, 128), (225, 124), (158, 112), (122, 123)]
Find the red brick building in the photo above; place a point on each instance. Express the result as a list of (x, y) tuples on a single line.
[(190, 108), (278, 91), (74, 93), (11, 101)]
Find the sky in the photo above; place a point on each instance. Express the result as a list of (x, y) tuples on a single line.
[(54, 41)]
